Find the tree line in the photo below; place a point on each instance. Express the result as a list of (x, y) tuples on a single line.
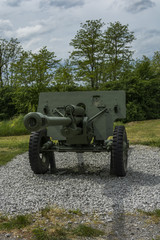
[(101, 59)]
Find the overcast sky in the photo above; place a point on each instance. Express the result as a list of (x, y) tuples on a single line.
[(53, 23)]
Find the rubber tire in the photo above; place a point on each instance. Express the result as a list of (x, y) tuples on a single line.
[(36, 159), (119, 153)]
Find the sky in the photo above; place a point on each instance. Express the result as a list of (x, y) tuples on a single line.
[(53, 23)]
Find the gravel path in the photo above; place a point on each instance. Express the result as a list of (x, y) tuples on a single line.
[(89, 188)]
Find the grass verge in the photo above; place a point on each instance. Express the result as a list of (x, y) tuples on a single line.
[(155, 215), (17, 222), (144, 132), (13, 127), (12, 146), (87, 231), (52, 224)]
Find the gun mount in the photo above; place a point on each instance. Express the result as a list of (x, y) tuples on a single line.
[(79, 122)]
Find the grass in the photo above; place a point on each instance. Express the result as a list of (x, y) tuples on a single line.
[(155, 213), (12, 142), (12, 146), (66, 232), (144, 132), (13, 127), (87, 231), (75, 211), (51, 223), (17, 222), (45, 211), (153, 216), (41, 234)]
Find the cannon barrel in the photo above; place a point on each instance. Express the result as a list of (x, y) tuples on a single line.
[(35, 121)]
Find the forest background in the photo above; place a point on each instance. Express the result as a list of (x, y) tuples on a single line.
[(102, 59)]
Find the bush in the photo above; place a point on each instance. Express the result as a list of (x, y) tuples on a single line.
[(135, 112), (7, 108), (13, 127)]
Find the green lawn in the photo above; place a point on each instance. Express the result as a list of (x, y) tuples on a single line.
[(144, 132), (12, 146)]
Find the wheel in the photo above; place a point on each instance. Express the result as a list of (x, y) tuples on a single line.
[(119, 153), (39, 161)]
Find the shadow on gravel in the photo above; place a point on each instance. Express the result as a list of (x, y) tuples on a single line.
[(120, 188), (117, 189)]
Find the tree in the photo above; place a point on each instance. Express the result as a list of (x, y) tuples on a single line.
[(9, 51), (87, 55), (6, 104), (32, 73), (44, 64), (155, 63), (143, 69), (64, 77), (117, 48)]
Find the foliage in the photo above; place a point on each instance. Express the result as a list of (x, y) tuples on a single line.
[(13, 127), (31, 74), (63, 79), (99, 56), (9, 51), (87, 55), (87, 231), (6, 104), (20, 221), (117, 48), (155, 64), (143, 69)]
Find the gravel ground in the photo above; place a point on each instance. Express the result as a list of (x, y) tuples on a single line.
[(89, 188)]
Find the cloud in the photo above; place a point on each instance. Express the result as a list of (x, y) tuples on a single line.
[(134, 6), (14, 3), (147, 42), (6, 27), (152, 33), (5, 23), (62, 3), (139, 5), (26, 32)]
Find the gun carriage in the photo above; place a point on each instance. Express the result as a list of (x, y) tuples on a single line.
[(78, 122)]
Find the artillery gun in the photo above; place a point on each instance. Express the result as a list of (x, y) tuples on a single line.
[(78, 122)]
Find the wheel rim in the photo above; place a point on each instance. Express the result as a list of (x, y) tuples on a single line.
[(42, 155)]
